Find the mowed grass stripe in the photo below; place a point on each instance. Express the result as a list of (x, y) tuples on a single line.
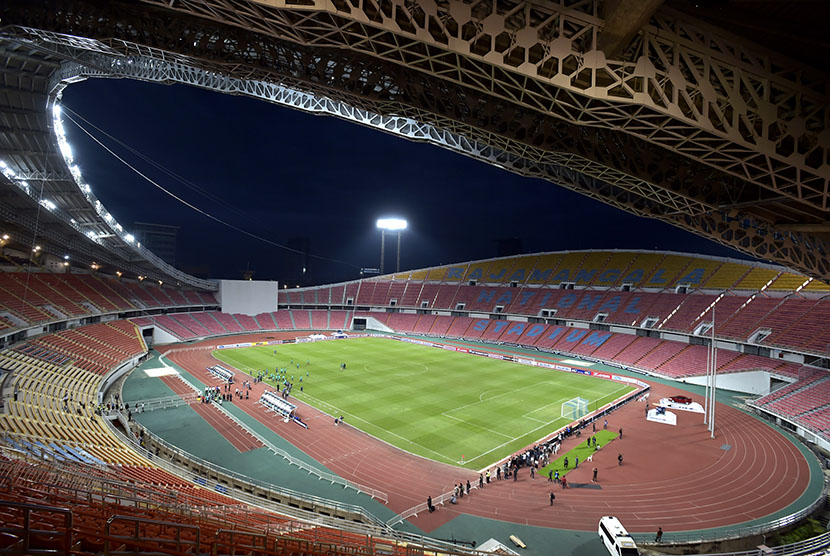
[(435, 403)]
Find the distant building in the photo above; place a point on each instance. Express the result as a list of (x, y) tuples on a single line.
[(159, 238)]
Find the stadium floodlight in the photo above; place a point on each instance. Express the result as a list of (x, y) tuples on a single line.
[(392, 224), (396, 225)]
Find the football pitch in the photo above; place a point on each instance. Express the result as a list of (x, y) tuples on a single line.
[(447, 406)]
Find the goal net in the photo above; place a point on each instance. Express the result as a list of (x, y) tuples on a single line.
[(575, 409)]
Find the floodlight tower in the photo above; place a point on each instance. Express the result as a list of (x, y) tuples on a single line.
[(391, 225)]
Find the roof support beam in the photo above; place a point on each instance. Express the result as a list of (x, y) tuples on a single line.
[(623, 18)]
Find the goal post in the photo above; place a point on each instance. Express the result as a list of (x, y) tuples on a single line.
[(575, 408)]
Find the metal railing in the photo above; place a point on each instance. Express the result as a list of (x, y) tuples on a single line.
[(695, 537), (25, 530), (372, 526), (277, 491), (141, 406), (814, 545)]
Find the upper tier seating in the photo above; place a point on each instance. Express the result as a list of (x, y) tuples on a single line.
[(39, 297)]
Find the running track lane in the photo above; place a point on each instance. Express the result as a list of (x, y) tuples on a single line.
[(239, 438), (677, 478)]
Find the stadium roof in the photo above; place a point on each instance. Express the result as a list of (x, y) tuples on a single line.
[(659, 114)]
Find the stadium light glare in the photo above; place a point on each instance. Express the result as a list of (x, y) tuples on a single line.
[(6, 237), (392, 224), (396, 225)]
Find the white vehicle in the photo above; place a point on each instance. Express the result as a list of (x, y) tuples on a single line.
[(615, 538)]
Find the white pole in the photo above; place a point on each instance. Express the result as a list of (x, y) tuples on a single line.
[(714, 375), (382, 247), (706, 387), (398, 265)]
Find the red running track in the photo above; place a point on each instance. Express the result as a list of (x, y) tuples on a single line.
[(677, 478), (240, 438)]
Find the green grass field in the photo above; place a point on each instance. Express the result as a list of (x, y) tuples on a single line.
[(435, 403)]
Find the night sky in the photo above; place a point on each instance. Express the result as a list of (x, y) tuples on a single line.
[(282, 174)]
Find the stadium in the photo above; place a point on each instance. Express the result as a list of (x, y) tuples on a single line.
[(503, 404)]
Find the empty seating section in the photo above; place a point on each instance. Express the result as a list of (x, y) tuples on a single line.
[(364, 293), (643, 266), (740, 323), (164, 518), (337, 295), (756, 279), (499, 271), (670, 269), (247, 323), (22, 302), (319, 320), (590, 267), (95, 348), (396, 291), (690, 361), (266, 321), (426, 298), (402, 322), (444, 297), (424, 324), (688, 314), (340, 320), (637, 350), (660, 354), (56, 400), (302, 320), (162, 296), (810, 397), (187, 320), (788, 282), (67, 297), (93, 295), (350, 293), (790, 322), (228, 321), (174, 327), (209, 322), (614, 345), (308, 297), (410, 295), (441, 325), (380, 295), (283, 320), (459, 327), (566, 267), (660, 305)]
